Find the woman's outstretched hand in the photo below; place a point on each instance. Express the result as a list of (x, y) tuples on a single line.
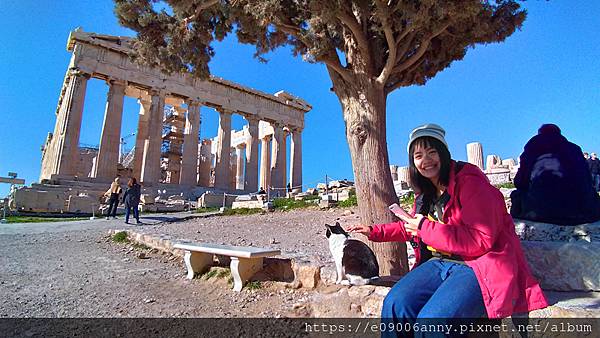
[(361, 229), (411, 224)]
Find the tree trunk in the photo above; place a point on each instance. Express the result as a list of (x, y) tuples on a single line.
[(364, 109)]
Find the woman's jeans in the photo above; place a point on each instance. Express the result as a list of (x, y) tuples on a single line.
[(113, 202), (437, 289), (136, 212)]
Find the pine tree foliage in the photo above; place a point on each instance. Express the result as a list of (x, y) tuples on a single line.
[(394, 43)]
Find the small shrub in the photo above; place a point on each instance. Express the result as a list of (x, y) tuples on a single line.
[(216, 272), (210, 274), (507, 185), (120, 237), (408, 200), (223, 273), (290, 203), (140, 246), (242, 211), (350, 202), (205, 210), (254, 285)]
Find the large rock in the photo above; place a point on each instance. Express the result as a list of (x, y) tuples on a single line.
[(536, 231), (563, 266), (306, 273)]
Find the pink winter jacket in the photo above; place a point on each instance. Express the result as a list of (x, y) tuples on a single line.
[(477, 227)]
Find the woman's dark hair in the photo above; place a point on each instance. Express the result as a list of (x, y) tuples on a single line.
[(132, 182), (420, 183)]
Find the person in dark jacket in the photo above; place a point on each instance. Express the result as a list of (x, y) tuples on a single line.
[(131, 198), (113, 198), (553, 182), (594, 164)]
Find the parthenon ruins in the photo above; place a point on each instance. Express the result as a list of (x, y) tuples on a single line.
[(169, 153)]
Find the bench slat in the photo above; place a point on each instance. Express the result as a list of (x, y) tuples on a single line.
[(228, 250)]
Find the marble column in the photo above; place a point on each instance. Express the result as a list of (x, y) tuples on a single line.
[(251, 177), (475, 154), (265, 163), (233, 169), (141, 136), (296, 159), (189, 159), (205, 164), (283, 147), (108, 153), (278, 161), (60, 156), (152, 146), (239, 173), (222, 167), (394, 171), (403, 174)]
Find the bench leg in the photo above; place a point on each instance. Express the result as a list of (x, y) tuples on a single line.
[(196, 262), (244, 268)]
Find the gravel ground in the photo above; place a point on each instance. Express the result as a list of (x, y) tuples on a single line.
[(73, 269)]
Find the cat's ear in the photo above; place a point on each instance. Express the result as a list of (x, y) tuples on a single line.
[(328, 232), (337, 224)]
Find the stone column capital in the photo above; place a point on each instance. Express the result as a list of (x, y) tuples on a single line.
[(157, 92), (79, 72), (251, 118), (223, 111), (295, 129), (193, 102), (116, 82)]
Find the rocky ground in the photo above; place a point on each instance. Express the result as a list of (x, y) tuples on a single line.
[(75, 270)]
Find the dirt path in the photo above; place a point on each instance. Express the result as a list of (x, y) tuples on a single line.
[(74, 270)]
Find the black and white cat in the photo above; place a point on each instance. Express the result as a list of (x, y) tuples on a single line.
[(355, 262)]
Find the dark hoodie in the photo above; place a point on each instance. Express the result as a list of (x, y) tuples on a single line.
[(554, 184)]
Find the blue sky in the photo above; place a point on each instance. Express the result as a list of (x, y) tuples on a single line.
[(498, 95)]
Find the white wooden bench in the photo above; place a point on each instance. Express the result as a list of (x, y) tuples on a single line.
[(245, 260)]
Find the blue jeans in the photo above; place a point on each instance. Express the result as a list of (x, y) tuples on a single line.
[(596, 182), (128, 208), (437, 289)]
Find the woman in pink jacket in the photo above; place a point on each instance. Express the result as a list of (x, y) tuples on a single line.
[(470, 260)]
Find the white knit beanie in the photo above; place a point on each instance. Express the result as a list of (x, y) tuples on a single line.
[(429, 129)]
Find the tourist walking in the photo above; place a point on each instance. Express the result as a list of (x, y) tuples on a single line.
[(131, 198), (470, 263), (553, 182), (594, 164), (113, 198)]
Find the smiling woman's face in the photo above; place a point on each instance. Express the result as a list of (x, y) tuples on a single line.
[(427, 161)]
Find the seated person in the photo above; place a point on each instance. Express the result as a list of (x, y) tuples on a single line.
[(554, 184)]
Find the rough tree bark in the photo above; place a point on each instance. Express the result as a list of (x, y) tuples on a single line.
[(364, 108)]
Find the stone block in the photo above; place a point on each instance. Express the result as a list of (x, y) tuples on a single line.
[(564, 266), (83, 204), (306, 273), (536, 231), (247, 204), (35, 200), (147, 198), (211, 200)]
